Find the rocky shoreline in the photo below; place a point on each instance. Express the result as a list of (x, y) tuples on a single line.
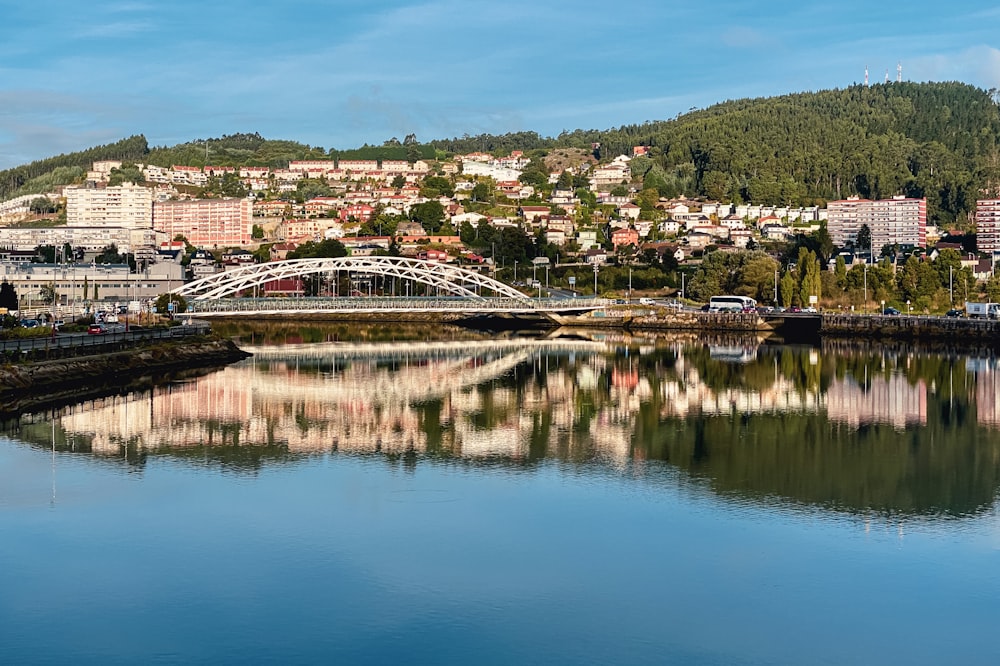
[(40, 385)]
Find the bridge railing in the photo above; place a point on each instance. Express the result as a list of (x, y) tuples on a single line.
[(386, 303)]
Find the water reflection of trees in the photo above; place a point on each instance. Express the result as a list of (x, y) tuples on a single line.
[(937, 470), (771, 424)]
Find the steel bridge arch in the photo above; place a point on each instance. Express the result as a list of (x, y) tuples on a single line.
[(450, 279)]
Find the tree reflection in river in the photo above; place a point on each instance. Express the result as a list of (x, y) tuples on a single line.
[(871, 431)]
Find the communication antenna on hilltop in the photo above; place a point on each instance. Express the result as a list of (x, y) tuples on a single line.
[(887, 76), (899, 72), (866, 76)]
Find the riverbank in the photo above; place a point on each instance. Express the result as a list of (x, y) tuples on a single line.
[(790, 327), (44, 384), (905, 328)]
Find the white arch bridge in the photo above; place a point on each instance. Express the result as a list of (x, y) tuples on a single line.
[(375, 284)]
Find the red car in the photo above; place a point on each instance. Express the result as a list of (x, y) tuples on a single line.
[(96, 329)]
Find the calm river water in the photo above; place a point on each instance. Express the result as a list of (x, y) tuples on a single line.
[(586, 499)]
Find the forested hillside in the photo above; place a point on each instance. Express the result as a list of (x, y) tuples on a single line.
[(235, 150), (63, 169), (938, 140)]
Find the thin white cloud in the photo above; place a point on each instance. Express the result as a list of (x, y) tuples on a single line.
[(992, 12), (115, 29), (129, 7), (743, 37), (978, 65)]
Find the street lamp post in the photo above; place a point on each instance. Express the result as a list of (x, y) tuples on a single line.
[(595, 279), (866, 289), (515, 270)]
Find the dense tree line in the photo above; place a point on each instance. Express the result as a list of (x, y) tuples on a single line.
[(235, 150), (489, 143), (906, 282), (71, 165), (409, 152)]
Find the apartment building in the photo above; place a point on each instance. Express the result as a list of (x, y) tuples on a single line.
[(896, 221), (206, 222), (355, 166), (988, 225), (127, 205), (140, 242), (76, 283)]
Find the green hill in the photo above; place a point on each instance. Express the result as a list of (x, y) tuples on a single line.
[(43, 175), (938, 140), (934, 140)]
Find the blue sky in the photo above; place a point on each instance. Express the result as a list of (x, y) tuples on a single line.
[(340, 74)]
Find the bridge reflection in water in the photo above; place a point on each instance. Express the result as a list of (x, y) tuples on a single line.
[(899, 433)]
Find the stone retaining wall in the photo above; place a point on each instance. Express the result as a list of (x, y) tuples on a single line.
[(34, 385), (910, 328)]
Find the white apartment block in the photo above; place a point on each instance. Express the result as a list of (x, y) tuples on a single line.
[(395, 166), (497, 173), (188, 175), (141, 242), (155, 174), (129, 206), (988, 225), (355, 166), (206, 222), (898, 220), (20, 206)]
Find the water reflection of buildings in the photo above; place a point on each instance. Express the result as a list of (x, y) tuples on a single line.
[(894, 401), (987, 390), (471, 401)]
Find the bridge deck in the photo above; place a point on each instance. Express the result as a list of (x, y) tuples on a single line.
[(366, 305)]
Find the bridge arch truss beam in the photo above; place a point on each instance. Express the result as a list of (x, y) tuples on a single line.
[(450, 280)]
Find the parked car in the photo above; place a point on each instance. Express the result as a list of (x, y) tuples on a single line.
[(97, 329), (890, 312), (954, 313)]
